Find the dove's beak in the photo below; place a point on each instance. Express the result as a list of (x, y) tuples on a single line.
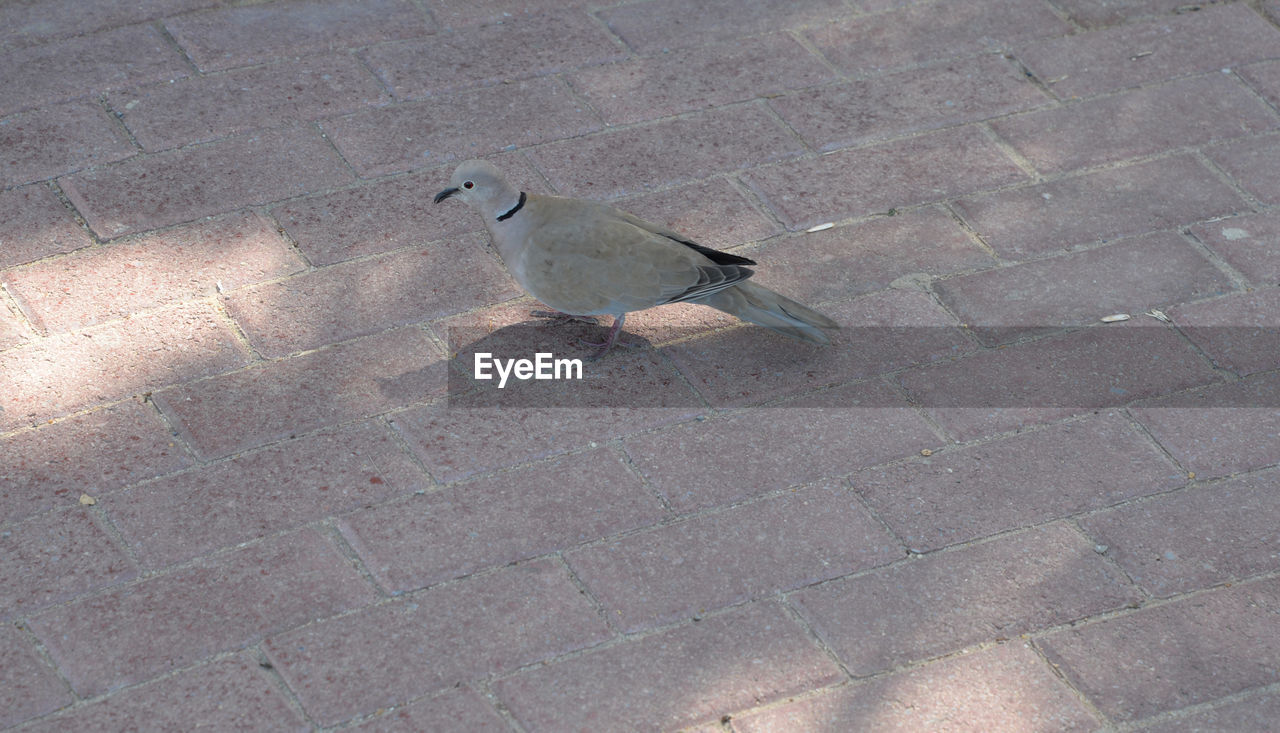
[(445, 194)]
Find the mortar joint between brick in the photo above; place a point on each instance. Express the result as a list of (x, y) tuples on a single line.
[(117, 122), (1108, 558), (315, 125), (1155, 722), (388, 422), (1018, 159), (1143, 431), (485, 690), (601, 610), (1200, 155), (172, 42), (278, 681), (329, 527), (1078, 693), (47, 659)]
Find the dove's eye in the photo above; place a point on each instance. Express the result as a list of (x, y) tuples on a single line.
[(468, 184)]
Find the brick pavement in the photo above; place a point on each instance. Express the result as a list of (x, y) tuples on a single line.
[(225, 323)]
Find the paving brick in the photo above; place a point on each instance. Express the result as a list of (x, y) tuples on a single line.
[(144, 629), (358, 298), (637, 159), (511, 49), (1265, 78), (35, 224), (1195, 538), (1190, 651), (444, 128), (92, 453), (913, 34), (13, 330), (683, 80), (1146, 121), (1248, 243), (439, 638), (181, 185), (152, 270), (454, 709), (712, 213), (881, 332), (1240, 333), (1046, 380), (946, 601), (1024, 480), (1102, 13), (240, 36), (1135, 199), (30, 686), (1007, 688), (657, 26), (666, 681), (91, 63), (56, 557), (459, 13), (292, 396), (501, 519), (1252, 713), (1076, 289), (1214, 38), (209, 107), (1220, 430), (860, 111), (254, 495), (31, 23), (70, 372), (1253, 162), (897, 174), (683, 570), (742, 455), (229, 694), (43, 143)]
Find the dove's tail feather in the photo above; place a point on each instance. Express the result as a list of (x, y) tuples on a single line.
[(763, 307)]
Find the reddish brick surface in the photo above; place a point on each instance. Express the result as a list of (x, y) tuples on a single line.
[(239, 36), (144, 629), (92, 453), (683, 570), (1195, 538), (284, 398), (633, 160), (1220, 430), (1160, 194), (257, 494), (35, 224), (1265, 78), (91, 63), (31, 23), (195, 110), (1257, 712), (359, 298), (442, 129), (457, 14), (39, 144), (1129, 276), (1042, 381), (946, 601), (72, 371), (913, 34), (439, 638), (686, 675), (1247, 243), (1186, 652), (1253, 163), (55, 557), (696, 78), (182, 185), (983, 489), (456, 708), (748, 454), (1214, 38), (501, 519), (13, 330), (492, 53), (1102, 13), (1192, 111), (896, 174), (1008, 688), (970, 89), (657, 26), (231, 693), (193, 261), (30, 686), (1240, 332)]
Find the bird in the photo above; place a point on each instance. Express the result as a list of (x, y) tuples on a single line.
[(585, 258)]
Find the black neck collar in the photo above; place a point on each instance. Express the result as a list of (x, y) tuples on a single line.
[(514, 209)]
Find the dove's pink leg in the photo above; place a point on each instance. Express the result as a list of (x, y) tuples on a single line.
[(610, 339)]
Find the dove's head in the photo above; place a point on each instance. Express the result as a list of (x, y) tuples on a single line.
[(481, 186)]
